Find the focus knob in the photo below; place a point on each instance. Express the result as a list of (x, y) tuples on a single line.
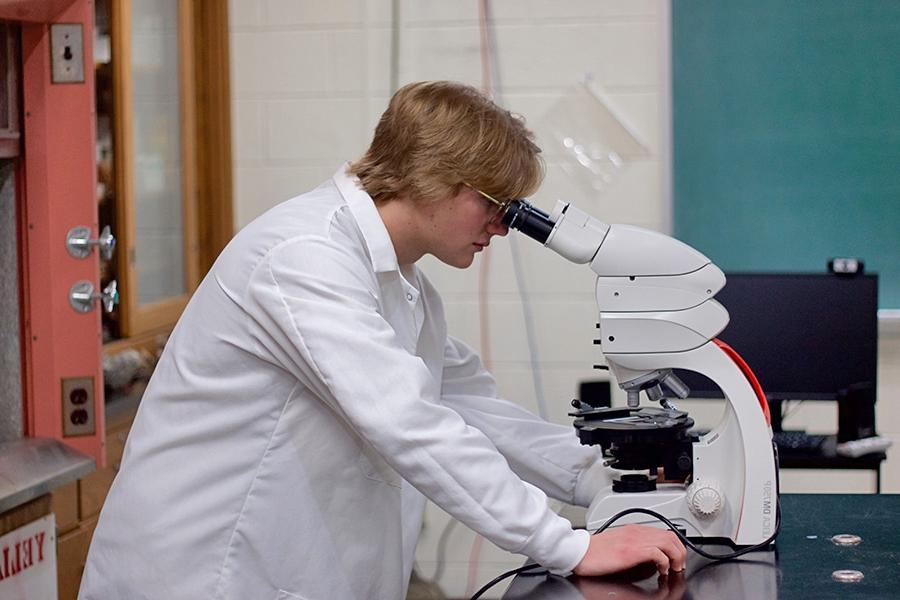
[(704, 498)]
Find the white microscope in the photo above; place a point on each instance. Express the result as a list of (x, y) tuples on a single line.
[(657, 313)]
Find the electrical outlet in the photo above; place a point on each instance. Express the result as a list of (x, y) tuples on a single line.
[(78, 406), (67, 53)]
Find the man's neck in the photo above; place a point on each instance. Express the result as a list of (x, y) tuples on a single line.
[(401, 219)]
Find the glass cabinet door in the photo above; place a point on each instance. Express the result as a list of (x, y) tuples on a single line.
[(154, 113), (159, 261), (161, 73)]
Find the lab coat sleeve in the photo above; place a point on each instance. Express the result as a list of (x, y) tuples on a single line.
[(542, 453), (314, 305)]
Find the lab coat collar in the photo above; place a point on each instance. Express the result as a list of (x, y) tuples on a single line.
[(375, 234)]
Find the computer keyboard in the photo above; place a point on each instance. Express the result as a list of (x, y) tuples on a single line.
[(798, 441)]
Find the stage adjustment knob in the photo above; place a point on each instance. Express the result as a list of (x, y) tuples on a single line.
[(704, 498)]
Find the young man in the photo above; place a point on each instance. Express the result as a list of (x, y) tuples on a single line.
[(310, 399)]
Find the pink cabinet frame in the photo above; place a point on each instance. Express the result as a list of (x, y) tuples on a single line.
[(56, 183)]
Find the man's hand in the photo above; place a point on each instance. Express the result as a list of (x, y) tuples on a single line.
[(624, 547)]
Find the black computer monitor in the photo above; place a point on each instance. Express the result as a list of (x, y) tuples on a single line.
[(805, 336)]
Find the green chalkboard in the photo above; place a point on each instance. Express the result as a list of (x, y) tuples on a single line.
[(786, 134)]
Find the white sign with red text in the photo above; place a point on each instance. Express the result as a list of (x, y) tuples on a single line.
[(28, 561)]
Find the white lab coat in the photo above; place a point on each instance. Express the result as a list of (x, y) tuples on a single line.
[(307, 399)]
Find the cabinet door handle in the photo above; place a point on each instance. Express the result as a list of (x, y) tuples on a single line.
[(79, 242), (82, 296)]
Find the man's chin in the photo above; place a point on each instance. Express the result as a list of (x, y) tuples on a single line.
[(464, 263), (460, 262)]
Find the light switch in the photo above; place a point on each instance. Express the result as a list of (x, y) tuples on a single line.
[(67, 53)]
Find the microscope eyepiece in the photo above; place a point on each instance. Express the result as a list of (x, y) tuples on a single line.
[(531, 221)]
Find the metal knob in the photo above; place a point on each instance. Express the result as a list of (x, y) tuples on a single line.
[(705, 498), (82, 296), (79, 242)]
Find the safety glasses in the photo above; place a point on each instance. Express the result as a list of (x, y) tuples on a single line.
[(499, 207)]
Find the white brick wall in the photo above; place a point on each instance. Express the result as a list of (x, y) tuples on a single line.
[(311, 78)]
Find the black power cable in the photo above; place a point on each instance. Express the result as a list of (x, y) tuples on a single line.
[(525, 570)]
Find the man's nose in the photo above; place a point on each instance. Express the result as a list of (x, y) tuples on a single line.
[(497, 228)]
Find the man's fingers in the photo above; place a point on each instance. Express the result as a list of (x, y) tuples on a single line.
[(669, 553), (661, 559), (675, 550)]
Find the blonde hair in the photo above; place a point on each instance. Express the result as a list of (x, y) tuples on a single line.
[(437, 136)]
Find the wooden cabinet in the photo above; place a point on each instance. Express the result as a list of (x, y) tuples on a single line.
[(64, 505), (71, 554), (160, 176)]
